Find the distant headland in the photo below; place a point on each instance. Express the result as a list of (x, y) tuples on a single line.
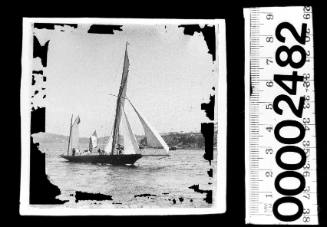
[(175, 140)]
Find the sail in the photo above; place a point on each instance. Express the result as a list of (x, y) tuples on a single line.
[(120, 102), (93, 142), (107, 148), (152, 136), (94, 139), (129, 141), (74, 135)]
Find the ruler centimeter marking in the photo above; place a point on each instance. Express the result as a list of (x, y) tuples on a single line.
[(291, 201)]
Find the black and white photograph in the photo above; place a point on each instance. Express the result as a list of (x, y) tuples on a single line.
[(164, 114), (123, 116)]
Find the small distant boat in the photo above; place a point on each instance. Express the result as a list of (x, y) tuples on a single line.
[(93, 141), (122, 147), (172, 148)]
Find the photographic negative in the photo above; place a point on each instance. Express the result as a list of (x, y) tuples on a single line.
[(120, 116)]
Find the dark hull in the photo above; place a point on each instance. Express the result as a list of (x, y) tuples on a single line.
[(104, 159)]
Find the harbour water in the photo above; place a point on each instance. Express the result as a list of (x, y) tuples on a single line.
[(159, 182)]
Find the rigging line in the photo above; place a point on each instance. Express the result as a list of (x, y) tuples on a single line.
[(122, 98)]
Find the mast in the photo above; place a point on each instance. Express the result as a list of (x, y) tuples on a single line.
[(70, 134), (120, 101)]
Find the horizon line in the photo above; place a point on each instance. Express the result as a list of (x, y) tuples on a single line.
[(109, 136)]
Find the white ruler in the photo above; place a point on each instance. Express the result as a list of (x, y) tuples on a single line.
[(280, 116)]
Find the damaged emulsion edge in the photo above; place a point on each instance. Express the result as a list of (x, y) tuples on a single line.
[(39, 113)]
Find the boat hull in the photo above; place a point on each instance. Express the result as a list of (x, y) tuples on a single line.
[(104, 159)]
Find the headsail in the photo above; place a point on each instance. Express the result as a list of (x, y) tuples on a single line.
[(107, 148), (152, 136), (74, 135), (130, 143), (120, 102)]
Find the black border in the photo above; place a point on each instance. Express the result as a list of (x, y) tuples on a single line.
[(232, 12)]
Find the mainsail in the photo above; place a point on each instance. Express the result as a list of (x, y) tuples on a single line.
[(152, 136), (74, 135), (120, 102)]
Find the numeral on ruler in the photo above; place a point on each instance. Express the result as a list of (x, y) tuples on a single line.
[(280, 116)]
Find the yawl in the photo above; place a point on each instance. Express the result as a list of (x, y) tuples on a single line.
[(122, 147)]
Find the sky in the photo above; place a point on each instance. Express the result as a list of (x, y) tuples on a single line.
[(170, 75)]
